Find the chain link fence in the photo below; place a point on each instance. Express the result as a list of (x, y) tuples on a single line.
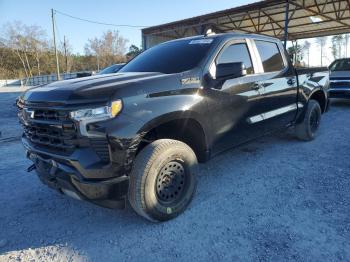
[(41, 80)]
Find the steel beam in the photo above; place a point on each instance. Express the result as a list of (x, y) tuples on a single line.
[(286, 22)]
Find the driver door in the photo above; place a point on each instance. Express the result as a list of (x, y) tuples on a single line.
[(234, 103)]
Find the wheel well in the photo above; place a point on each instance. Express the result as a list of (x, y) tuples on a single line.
[(320, 98), (186, 130)]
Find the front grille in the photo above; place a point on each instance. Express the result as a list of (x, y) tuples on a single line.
[(53, 131), (340, 84), (53, 137), (50, 128), (50, 115)]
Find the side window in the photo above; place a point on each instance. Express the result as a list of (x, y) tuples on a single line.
[(236, 53), (270, 56)]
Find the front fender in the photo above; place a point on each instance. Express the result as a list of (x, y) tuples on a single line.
[(153, 110), (142, 113)]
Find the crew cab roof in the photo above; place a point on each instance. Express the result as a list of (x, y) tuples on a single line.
[(224, 36)]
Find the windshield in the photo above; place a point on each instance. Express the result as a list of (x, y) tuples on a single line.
[(340, 65), (171, 57)]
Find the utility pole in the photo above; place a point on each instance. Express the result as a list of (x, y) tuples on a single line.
[(98, 56), (65, 52), (54, 43)]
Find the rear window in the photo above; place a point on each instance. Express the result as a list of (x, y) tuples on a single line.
[(340, 65), (171, 57), (270, 56)]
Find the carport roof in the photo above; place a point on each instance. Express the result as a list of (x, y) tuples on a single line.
[(307, 18)]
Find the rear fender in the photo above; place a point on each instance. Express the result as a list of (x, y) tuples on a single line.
[(302, 107)]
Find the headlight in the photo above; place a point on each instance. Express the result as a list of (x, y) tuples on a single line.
[(99, 113)]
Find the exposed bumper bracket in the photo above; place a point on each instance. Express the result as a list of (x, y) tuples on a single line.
[(31, 168)]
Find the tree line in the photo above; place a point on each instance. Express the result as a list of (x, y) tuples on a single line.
[(301, 53), (26, 51)]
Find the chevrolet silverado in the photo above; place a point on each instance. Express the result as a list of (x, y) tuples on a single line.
[(137, 135)]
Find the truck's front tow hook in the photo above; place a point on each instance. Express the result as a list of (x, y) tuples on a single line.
[(31, 168)]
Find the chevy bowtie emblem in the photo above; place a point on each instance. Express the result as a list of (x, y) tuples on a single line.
[(29, 113)]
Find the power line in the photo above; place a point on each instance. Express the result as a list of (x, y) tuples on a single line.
[(97, 22)]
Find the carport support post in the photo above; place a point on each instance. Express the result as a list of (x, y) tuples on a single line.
[(144, 42), (202, 29), (286, 22)]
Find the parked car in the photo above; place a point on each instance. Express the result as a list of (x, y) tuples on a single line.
[(340, 78), (111, 69), (84, 74), (138, 135)]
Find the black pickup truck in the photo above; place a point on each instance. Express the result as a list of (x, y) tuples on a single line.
[(137, 135)]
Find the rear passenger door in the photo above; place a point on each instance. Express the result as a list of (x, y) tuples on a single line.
[(279, 92)]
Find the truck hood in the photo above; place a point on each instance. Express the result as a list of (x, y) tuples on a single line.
[(96, 88)]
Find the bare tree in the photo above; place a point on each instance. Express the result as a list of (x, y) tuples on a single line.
[(93, 47), (108, 49), (296, 52), (26, 51), (28, 43), (37, 43), (306, 49), (346, 40), (322, 41), (65, 51), (337, 44), (13, 41)]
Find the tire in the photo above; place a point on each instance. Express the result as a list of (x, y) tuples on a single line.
[(163, 180), (308, 128)]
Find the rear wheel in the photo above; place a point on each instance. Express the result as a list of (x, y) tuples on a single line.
[(163, 180), (308, 128)]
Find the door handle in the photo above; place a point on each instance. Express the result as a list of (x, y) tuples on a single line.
[(256, 86), (291, 81)]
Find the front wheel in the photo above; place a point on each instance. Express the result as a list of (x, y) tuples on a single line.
[(163, 180), (307, 129)]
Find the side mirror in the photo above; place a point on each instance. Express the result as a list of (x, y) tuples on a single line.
[(230, 70)]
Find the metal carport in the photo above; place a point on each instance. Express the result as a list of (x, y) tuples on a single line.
[(291, 19)]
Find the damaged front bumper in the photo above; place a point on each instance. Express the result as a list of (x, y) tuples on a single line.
[(107, 192), (82, 176), (94, 168)]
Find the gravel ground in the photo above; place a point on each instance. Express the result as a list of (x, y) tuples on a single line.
[(274, 199)]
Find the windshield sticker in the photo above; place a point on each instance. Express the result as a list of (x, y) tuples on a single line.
[(201, 41)]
